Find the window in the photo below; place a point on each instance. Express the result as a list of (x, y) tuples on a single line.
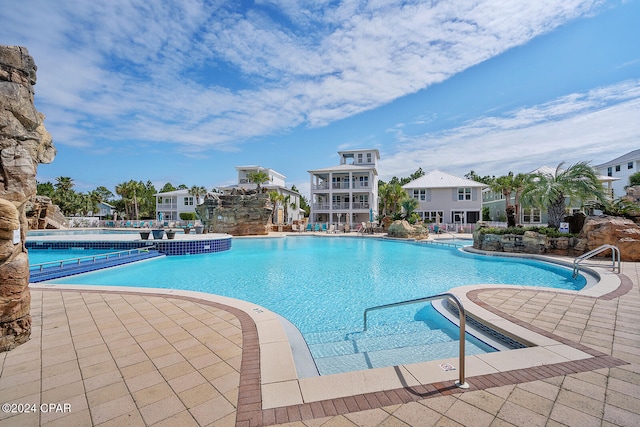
[(609, 171), (464, 194), (420, 194), (360, 158), (630, 165), (531, 215), (188, 201), (364, 181), (433, 216), (617, 168), (368, 157)]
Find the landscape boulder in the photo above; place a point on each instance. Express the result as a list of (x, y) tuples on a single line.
[(401, 229), (612, 230)]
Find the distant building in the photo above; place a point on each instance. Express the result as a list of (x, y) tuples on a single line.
[(285, 212), (621, 168), (445, 198), (497, 204), (105, 210), (346, 193), (171, 204)]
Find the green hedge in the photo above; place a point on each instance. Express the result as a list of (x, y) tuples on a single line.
[(188, 216), (547, 231)]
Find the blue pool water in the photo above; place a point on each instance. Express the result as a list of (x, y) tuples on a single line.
[(322, 285)]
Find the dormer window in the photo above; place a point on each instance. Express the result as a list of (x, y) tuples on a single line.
[(359, 157), (368, 157)]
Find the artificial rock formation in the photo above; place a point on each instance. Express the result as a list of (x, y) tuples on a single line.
[(611, 230), (404, 230), (597, 231), (24, 143), (43, 214), (237, 214)]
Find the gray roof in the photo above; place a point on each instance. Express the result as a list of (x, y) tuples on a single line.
[(439, 179), (631, 156)]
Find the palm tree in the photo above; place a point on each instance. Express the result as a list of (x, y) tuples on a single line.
[(507, 185), (197, 191), (391, 196), (258, 178), (409, 205), (550, 190)]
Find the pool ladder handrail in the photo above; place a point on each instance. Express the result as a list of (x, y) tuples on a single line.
[(615, 258), (461, 383), (68, 261)]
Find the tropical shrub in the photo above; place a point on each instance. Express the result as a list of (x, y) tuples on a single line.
[(188, 216)]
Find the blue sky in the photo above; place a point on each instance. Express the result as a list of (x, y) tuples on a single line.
[(183, 91)]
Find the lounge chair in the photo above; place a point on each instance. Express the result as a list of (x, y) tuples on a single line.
[(309, 227), (317, 227), (332, 229), (324, 227)]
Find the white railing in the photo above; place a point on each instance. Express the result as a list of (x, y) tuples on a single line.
[(615, 258)]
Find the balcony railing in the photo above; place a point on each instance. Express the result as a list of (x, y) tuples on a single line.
[(166, 206), (341, 206), (342, 186)]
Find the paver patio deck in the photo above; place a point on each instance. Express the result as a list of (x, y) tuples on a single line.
[(124, 358)]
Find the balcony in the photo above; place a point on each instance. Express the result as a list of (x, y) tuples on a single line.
[(166, 206), (361, 205)]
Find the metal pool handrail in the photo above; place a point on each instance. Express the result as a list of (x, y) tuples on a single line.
[(93, 258), (615, 258), (461, 357)]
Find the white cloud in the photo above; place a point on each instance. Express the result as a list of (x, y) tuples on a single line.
[(593, 126), (124, 69)]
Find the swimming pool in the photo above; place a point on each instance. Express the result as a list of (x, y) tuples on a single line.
[(323, 284)]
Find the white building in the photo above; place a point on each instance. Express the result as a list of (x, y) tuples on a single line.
[(622, 168), (286, 211), (447, 198), (347, 193), (171, 204)]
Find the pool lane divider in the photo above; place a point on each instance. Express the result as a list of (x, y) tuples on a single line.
[(56, 271)]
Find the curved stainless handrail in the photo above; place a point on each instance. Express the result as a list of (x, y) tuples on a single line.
[(615, 257), (462, 316)]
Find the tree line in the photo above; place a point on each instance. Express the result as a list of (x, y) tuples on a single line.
[(132, 199)]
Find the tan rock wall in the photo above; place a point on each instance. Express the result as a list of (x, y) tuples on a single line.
[(236, 214), (597, 231), (24, 143)]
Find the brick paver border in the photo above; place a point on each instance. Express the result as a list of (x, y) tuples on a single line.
[(250, 412)]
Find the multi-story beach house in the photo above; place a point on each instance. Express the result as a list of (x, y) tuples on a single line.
[(447, 199), (287, 210), (621, 168), (346, 193)]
